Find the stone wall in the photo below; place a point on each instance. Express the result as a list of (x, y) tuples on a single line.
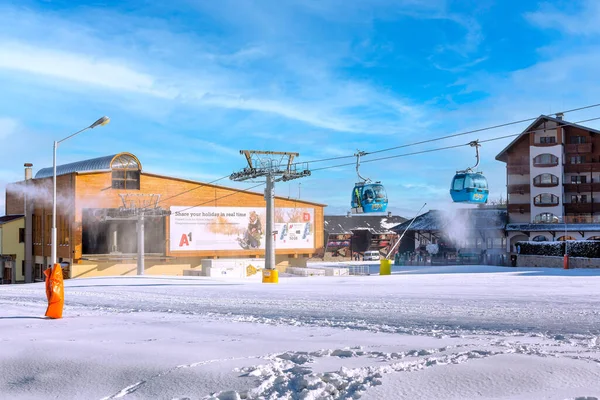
[(556, 262)]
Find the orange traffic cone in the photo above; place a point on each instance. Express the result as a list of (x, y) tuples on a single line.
[(55, 291)]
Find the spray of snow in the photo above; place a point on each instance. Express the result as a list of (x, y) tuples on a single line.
[(454, 226)]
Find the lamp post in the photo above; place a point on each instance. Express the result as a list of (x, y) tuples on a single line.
[(566, 257), (102, 121)]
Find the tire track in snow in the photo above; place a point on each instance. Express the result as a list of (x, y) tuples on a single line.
[(132, 388)]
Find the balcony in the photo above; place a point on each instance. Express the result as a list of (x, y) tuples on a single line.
[(519, 208), (545, 184), (545, 165), (518, 169), (578, 148), (518, 189), (582, 219), (583, 167), (552, 204), (582, 187), (518, 160), (546, 144), (579, 208)]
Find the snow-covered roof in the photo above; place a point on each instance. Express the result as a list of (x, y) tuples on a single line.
[(553, 227), (436, 220), (373, 223)]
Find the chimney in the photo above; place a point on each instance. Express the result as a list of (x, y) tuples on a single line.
[(560, 115), (389, 214), (28, 175)]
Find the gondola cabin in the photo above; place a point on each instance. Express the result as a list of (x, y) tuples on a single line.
[(369, 198), (471, 188)]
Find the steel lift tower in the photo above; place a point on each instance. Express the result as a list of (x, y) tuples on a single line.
[(274, 166)]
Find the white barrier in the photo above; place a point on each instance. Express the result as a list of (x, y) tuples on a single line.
[(330, 271), (233, 268), (301, 271)]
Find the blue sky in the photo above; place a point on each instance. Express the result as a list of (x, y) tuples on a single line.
[(188, 83)]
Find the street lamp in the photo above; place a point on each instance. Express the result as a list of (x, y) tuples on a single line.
[(566, 256), (100, 122)]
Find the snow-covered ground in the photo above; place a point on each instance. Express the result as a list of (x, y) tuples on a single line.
[(460, 332)]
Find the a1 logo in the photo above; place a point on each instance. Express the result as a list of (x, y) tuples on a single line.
[(185, 239)]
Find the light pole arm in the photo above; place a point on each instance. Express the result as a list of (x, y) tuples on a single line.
[(69, 137)]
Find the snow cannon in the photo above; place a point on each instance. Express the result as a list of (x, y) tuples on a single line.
[(55, 291), (385, 266)]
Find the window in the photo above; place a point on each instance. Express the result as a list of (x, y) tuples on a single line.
[(21, 235), (579, 179), (62, 230), (126, 180), (126, 172), (540, 238), (379, 192), (458, 184), (545, 159), (545, 199), (23, 268), (479, 182), (545, 180), (579, 198), (577, 139), (546, 218), (577, 159), (37, 229), (563, 238), (547, 139), (48, 229), (498, 243)]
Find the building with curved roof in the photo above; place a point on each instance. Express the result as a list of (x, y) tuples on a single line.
[(186, 221), (98, 164)]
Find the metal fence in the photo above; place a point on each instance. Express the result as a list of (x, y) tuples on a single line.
[(358, 270)]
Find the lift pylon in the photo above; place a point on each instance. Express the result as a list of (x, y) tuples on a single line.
[(274, 166)]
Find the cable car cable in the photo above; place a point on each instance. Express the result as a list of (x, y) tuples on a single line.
[(189, 190), (451, 136), (444, 148), (388, 157), (227, 195)]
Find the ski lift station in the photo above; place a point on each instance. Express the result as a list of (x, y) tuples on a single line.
[(101, 201)]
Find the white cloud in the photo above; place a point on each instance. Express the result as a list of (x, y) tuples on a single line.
[(581, 22), (8, 127), (325, 110), (81, 68)]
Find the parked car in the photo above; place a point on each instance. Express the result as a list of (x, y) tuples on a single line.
[(371, 255)]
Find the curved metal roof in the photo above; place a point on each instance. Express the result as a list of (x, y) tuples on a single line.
[(95, 164)]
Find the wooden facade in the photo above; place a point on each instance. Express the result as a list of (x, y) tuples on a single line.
[(553, 177), (81, 190)]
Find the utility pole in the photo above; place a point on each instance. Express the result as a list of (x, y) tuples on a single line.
[(143, 206), (274, 166), (140, 246)]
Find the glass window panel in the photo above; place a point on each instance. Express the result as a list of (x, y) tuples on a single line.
[(459, 184)]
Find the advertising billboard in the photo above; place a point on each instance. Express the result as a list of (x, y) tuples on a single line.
[(238, 228)]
